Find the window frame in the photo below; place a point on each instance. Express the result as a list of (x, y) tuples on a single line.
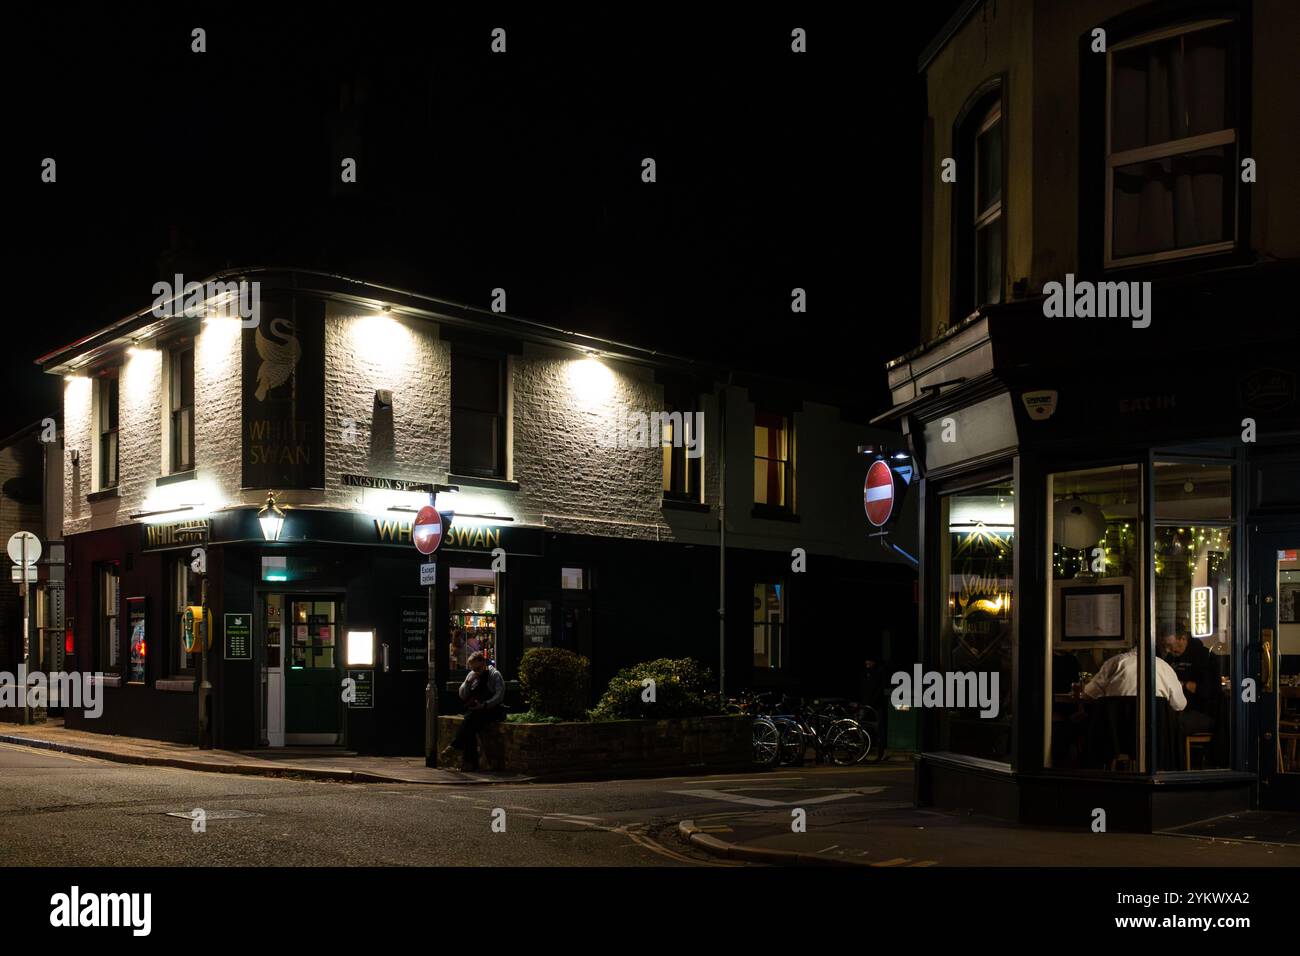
[(985, 218), (178, 579), (175, 385), (787, 507), (104, 661), (782, 643), (500, 435), (109, 383), (1178, 147), (683, 473), (985, 108)]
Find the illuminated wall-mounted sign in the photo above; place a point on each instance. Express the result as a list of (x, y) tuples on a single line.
[(1202, 612), (360, 648)]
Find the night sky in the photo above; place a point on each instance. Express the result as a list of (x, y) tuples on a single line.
[(477, 170)]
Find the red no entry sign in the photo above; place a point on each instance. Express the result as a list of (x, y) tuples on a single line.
[(878, 493), (427, 532)]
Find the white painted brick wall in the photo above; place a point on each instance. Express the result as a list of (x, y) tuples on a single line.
[(569, 478)]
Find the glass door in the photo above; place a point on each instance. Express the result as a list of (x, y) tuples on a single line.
[(1279, 670), (312, 682)]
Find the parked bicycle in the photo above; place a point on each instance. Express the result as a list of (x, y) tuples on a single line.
[(824, 725)]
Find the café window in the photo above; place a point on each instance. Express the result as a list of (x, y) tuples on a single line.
[(108, 588), (181, 390), (681, 454), (1096, 541), (769, 626), (478, 413), (108, 429), (773, 462), (473, 625), (1171, 153), (972, 646), (1195, 607), (185, 591)]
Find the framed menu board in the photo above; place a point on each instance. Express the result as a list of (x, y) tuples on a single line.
[(1093, 613)]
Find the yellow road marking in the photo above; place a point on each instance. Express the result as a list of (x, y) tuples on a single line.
[(896, 861)]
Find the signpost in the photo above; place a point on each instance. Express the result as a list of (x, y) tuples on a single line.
[(25, 550), (426, 535)]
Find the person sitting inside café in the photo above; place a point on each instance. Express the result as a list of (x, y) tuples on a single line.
[(1194, 666), (1118, 678)]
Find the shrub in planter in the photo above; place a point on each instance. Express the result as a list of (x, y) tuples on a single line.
[(682, 689), (555, 682)]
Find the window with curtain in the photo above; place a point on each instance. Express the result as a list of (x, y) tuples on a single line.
[(773, 471), (769, 626), (1171, 156)]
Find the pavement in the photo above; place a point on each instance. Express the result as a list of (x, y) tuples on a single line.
[(91, 799), (304, 763)]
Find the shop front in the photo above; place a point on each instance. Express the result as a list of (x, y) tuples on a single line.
[(1109, 533), (318, 638)]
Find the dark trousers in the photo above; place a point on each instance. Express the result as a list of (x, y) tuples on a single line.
[(467, 737)]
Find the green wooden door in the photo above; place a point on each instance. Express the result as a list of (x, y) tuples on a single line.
[(312, 679)]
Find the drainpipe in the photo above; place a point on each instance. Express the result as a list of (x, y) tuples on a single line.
[(722, 539)]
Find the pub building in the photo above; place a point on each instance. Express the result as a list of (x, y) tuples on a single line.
[(1110, 513), (279, 468)]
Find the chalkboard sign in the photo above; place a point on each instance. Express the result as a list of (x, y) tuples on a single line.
[(365, 689), (239, 637), (413, 627), (537, 623), (135, 624)]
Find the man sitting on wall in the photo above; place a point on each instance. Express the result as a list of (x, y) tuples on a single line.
[(483, 690)]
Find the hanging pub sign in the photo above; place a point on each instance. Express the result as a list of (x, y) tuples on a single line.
[(283, 392)]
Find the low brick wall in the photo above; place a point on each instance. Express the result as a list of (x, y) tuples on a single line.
[(609, 747)]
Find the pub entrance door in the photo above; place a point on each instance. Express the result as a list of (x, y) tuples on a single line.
[(302, 696)]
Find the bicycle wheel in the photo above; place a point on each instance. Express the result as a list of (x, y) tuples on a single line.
[(847, 743), (794, 744), (767, 743)]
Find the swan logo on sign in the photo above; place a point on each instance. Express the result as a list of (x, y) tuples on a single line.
[(878, 493), (427, 531)]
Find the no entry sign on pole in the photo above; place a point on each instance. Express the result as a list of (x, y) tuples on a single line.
[(427, 532), (878, 493)]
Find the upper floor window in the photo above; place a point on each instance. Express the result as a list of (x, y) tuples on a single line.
[(108, 423), (1171, 143), (181, 389), (979, 234), (773, 463), (478, 414), (681, 452), (987, 219)]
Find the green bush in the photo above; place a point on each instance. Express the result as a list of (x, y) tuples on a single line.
[(682, 689), (531, 717), (555, 682)]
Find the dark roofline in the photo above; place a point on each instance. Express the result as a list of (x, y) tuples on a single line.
[(142, 324), (946, 33)]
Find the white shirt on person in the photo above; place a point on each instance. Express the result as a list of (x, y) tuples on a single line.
[(1119, 675)]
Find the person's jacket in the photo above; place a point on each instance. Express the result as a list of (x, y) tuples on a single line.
[(489, 689)]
